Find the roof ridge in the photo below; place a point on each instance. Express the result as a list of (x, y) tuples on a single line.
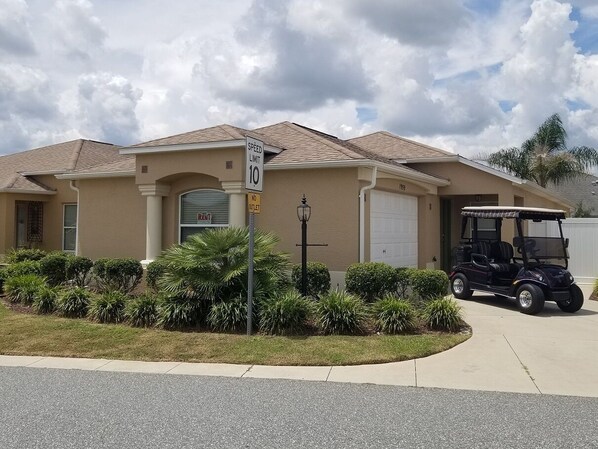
[(75, 155), (181, 134), (225, 127)]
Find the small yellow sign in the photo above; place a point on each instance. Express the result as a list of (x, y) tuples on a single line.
[(254, 203)]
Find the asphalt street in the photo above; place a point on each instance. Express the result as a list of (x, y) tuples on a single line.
[(46, 408)]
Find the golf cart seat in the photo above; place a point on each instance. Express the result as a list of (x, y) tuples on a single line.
[(493, 257)]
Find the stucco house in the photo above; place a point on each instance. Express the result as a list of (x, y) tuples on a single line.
[(378, 197)]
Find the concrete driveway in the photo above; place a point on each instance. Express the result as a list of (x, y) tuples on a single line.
[(549, 353)]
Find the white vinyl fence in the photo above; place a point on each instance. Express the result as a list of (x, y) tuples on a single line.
[(583, 246)]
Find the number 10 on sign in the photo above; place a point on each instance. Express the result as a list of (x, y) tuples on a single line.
[(254, 150)]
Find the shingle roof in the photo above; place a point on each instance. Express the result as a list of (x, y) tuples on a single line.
[(217, 133), (395, 147), (62, 157), (304, 145)]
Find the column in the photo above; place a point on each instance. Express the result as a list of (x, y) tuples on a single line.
[(237, 212), (153, 226)]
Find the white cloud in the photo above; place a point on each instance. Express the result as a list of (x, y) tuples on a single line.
[(15, 33), (106, 107)]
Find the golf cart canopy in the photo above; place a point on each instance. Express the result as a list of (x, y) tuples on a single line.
[(525, 213)]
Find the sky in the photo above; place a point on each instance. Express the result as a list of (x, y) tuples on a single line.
[(469, 76)]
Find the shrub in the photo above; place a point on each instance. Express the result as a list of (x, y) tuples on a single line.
[(23, 288), (24, 254), (339, 312), (443, 314), (118, 274), (394, 315), (318, 278), (178, 311), (107, 307), (284, 314), (428, 284), (78, 269), (73, 302), (45, 299), (213, 265), (142, 311), (23, 268), (371, 279), (595, 291), (404, 280), (229, 316), (53, 268), (154, 272)]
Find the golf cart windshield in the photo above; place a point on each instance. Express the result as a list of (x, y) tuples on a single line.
[(541, 248)]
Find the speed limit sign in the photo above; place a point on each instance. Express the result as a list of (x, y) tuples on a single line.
[(254, 173)]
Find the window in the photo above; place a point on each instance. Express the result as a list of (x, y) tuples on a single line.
[(202, 209), (69, 228), (30, 223)]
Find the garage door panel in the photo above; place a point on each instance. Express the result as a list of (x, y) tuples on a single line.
[(393, 228)]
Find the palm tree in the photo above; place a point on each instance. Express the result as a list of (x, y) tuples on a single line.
[(545, 158), (213, 265)]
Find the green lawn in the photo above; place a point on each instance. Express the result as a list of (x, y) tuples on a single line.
[(48, 335)]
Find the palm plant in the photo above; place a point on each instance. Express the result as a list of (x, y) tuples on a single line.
[(544, 158), (213, 265)]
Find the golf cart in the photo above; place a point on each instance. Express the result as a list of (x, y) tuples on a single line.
[(531, 271)]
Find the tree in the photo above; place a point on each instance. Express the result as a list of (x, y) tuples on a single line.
[(545, 158), (213, 265)]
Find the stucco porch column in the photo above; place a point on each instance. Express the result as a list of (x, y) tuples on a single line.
[(153, 226), (236, 204)]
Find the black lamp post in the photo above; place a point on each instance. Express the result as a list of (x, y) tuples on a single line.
[(303, 214)]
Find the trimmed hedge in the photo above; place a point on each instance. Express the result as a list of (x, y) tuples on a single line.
[(78, 269), (318, 278), (404, 280), (154, 272), (371, 280), (118, 274), (53, 268), (24, 254), (23, 268), (428, 284)]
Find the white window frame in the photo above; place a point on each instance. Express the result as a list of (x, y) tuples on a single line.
[(181, 226), (64, 206)]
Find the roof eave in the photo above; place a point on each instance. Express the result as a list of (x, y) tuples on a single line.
[(450, 158), (405, 172), (27, 191), (97, 175), (194, 146)]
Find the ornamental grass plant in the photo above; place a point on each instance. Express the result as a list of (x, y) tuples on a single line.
[(142, 311), (285, 314), (394, 315), (340, 312), (109, 307)]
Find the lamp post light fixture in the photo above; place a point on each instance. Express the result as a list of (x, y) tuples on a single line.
[(303, 214)]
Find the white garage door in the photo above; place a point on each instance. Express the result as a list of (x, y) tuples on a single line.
[(393, 229)]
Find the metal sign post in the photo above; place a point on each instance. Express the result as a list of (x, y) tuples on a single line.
[(254, 163)]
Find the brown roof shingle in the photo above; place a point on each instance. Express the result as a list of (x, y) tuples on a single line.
[(62, 157), (395, 147)]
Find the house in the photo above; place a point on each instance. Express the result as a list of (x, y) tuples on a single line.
[(583, 191), (378, 197)]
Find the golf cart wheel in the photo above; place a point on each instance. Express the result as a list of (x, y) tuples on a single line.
[(575, 301), (530, 299), (460, 287)]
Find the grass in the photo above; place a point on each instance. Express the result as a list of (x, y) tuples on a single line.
[(49, 335)]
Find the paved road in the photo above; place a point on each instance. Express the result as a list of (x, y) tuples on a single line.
[(45, 408)]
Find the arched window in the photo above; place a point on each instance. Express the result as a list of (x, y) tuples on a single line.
[(201, 209)]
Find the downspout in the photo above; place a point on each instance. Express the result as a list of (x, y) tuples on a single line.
[(76, 189), (362, 214)]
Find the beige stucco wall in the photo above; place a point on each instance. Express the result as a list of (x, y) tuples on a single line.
[(333, 197), (161, 166), (111, 218)]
